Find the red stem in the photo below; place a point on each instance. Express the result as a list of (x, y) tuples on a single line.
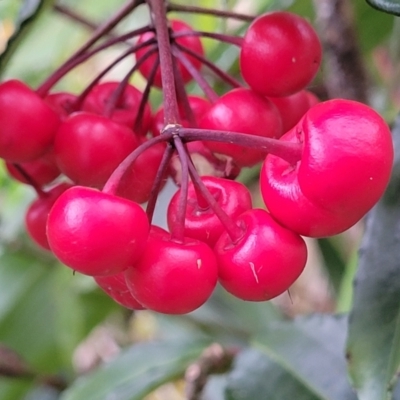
[(218, 71), (145, 96), (209, 11), (291, 152), (159, 13), (119, 91), (235, 40), (178, 230), (78, 59), (161, 172), (197, 76)]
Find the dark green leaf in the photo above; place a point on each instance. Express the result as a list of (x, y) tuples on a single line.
[(374, 329), (137, 371), (28, 15), (256, 376), (388, 6), (310, 350), (333, 261)]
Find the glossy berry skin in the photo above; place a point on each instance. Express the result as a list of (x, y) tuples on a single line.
[(95, 233), (291, 108), (191, 42), (126, 108), (242, 110), (115, 286), (89, 147), (27, 123), (199, 106), (38, 212), (43, 170), (172, 277), (138, 180), (201, 222), (344, 170), (63, 103), (280, 54), (266, 260)]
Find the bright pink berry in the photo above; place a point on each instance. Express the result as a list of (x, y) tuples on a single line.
[(27, 123), (173, 277), (126, 109), (115, 286), (38, 212), (200, 221), (89, 147), (344, 170), (242, 110), (280, 54), (191, 42), (264, 262), (95, 233)]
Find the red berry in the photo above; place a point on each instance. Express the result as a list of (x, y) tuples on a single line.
[(137, 182), (63, 103), (96, 233), (245, 111), (344, 170), (115, 286), (126, 108), (38, 212), (27, 123), (191, 42), (43, 170), (292, 108), (264, 262), (89, 147), (172, 277), (200, 221), (280, 54)]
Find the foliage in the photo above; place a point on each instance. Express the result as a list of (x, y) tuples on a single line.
[(46, 312)]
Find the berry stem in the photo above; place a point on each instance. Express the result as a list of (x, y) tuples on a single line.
[(145, 96), (203, 84), (218, 71), (183, 98), (74, 16), (39, 191), (161, 172), (112, 183), (235, 40), (78, 59), (119, 91), (94, 82), (178, 231), (233, 230), (209, 11), (291, 152), (159, 13)]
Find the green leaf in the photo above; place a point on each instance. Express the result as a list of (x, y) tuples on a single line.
[(29, 13), (256, 376), (137, 371), (373, 346), (388, 6), (310, 350)]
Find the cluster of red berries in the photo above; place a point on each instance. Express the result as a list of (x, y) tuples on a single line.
[(324, 165)]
